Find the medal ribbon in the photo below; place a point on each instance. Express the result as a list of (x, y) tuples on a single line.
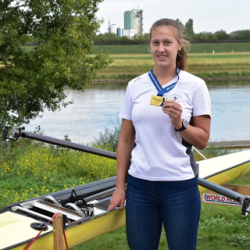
[(162, 91)]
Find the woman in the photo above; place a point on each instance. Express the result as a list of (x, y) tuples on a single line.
[(164, 112)]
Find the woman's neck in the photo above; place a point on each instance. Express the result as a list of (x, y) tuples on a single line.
[(165, 75)]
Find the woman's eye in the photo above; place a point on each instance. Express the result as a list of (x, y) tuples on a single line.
[(155, 43), (167, 42)]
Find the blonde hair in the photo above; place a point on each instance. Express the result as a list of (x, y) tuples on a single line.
[(181, 59)]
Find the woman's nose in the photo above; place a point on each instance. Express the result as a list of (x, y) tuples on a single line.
[(161, 47)]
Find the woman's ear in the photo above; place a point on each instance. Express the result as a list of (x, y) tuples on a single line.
[(148, 47), (180, 45)]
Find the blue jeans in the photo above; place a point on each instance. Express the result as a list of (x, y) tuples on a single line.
[(176, 204)]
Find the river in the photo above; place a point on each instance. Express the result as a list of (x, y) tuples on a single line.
[(97, 108)]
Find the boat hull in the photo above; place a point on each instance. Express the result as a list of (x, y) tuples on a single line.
[(90, 229), (222, 169)]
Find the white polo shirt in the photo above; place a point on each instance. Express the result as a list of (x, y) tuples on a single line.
[(160, 153)]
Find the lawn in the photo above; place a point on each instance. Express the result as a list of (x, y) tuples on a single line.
[(194, 48)]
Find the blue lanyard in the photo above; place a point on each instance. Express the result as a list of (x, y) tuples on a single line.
[(162, 91)]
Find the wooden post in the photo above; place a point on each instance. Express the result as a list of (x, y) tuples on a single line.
[(58, 232)]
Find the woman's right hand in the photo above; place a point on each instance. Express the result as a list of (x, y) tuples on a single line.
[(117, 199)]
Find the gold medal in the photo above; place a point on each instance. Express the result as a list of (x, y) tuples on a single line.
[(157, 100)]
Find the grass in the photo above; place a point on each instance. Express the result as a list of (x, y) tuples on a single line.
[(28, 48), (195, 48), (219, 62), (137, 64)]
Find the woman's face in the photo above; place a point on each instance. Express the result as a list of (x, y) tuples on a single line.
[(164, 46)]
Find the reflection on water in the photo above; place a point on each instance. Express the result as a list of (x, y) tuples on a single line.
[(98, 105), (94, 109), (230, 110)]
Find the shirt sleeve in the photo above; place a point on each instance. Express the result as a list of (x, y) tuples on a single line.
[(127, 105), (201, 101)]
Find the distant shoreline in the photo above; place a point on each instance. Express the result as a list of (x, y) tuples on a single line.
[(202, 48), (204, 78)]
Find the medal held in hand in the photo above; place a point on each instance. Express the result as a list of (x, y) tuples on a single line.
[(159, 99)]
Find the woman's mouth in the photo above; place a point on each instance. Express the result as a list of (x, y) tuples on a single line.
[(162, 57)]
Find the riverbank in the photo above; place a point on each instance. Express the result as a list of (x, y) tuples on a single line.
[(204, 78), (194, 48)]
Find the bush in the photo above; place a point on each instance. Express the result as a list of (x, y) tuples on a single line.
[(30, 169), (109, 139)]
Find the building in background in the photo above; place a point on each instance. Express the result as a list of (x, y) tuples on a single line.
[(112, 28), (129, 33), (119, 32), (133, 23)]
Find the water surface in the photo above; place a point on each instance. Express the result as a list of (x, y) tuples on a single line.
[(97, 108)]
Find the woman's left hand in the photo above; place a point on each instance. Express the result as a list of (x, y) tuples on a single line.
[(174, 110), (196, 134)]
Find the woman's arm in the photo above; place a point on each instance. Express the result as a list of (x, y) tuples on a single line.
[(125, 145), (196, 134)]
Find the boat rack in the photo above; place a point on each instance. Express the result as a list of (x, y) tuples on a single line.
[(44, 210), (40, 208)]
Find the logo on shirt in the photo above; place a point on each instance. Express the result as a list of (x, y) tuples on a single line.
[(176, 98), (137, 79)]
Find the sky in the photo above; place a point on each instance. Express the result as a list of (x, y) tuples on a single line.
[(207, 15)]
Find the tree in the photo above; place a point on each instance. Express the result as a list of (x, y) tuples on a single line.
[(189, 30), (31, 81), (240, 35), (221, 35), (181, 24), (107, 38)]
